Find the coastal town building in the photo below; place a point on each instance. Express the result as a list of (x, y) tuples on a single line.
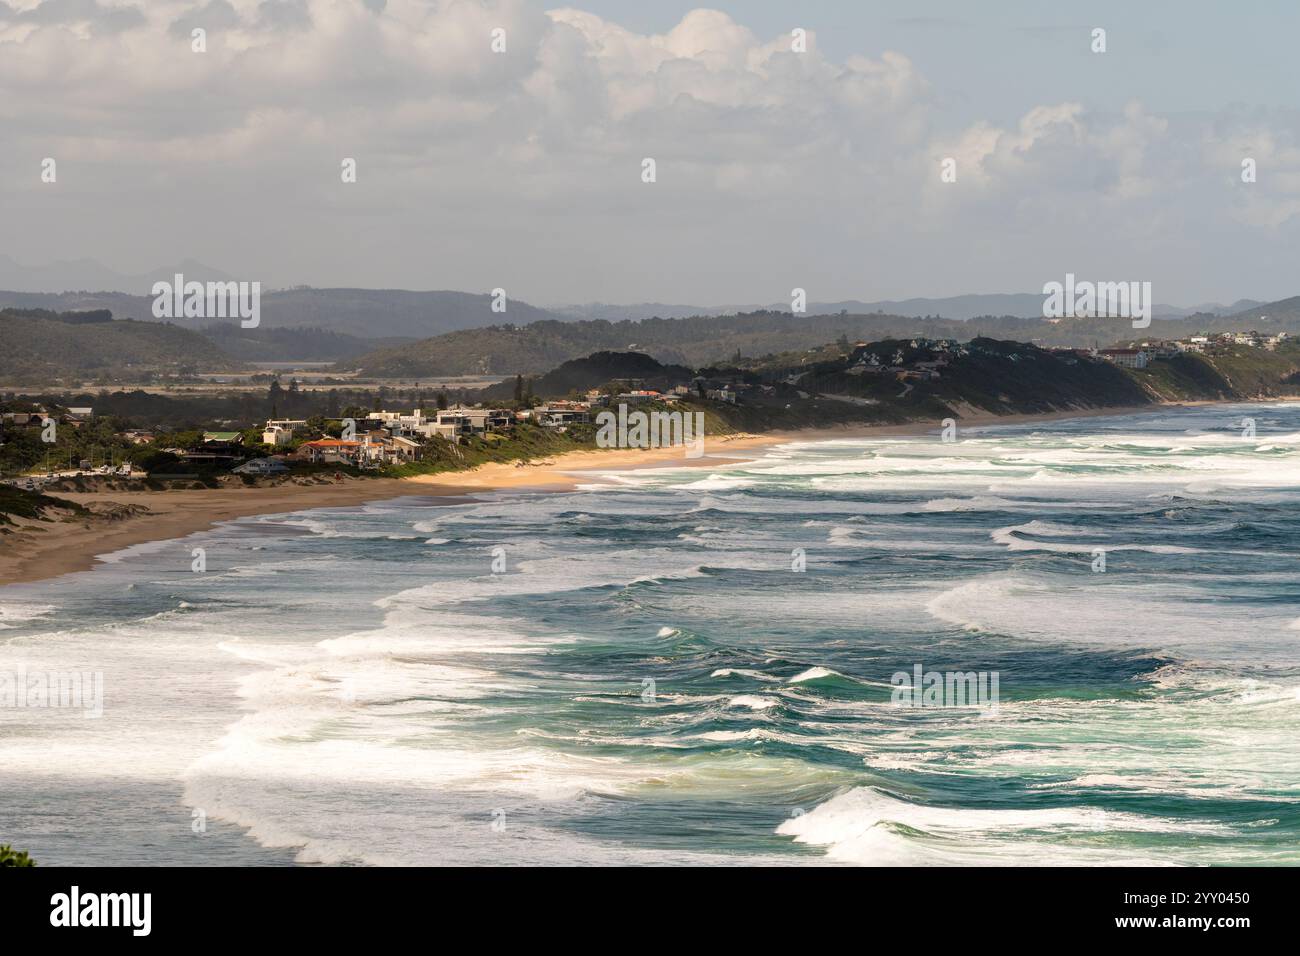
[(261, 466), (562, 413), (223, 438), (1126, 358), (280, 431), (331, 451)]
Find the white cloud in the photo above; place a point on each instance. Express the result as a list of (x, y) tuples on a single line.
[(773, 165)]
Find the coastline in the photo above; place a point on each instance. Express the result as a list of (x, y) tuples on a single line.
[(39, 550)]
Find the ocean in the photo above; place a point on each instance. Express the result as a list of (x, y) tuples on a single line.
[(701, 665)]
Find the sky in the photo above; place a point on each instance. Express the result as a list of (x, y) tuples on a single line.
[(774, 168)]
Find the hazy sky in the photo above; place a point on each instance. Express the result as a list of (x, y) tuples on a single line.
[(775, 169)]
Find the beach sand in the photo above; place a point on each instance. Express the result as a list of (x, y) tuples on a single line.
[(35, 550)]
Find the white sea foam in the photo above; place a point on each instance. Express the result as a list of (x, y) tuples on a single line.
[(358, 709), (753, 702), (813, 673), (16, 613), (867, 826)]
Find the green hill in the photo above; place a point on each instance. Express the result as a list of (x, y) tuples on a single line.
[(597, 369), (55, 348), (897, 380)]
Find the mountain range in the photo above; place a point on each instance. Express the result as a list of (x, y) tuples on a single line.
[(961, 307)]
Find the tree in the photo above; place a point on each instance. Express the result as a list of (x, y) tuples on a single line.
[(155, 461), (442, 400), (11, 857), (519, 388)]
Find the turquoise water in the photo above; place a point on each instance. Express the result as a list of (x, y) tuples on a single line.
[(648, 678)]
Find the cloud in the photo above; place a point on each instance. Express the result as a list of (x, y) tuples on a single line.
[(473, 163)]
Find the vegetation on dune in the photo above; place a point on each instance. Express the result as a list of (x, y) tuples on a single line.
[(17, 503)]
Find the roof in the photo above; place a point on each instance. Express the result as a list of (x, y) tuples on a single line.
[(331, 443)]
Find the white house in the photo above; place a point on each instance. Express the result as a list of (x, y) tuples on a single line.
[(279, 431), (475, 421), (261, 466), (1128, 358)]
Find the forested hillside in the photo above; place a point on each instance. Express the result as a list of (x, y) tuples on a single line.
[(49, 348)]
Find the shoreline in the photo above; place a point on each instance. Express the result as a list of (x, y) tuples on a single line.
[(40, 550)]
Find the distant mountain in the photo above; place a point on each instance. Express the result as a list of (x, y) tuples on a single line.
[(1024, 305), (644, 310), (380, 313), (1269, 316), (46, 348), (364, 313)]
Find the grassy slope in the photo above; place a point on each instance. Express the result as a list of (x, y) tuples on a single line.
[(1236, 372)]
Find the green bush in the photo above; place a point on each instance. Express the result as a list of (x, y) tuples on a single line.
[(11, 857)]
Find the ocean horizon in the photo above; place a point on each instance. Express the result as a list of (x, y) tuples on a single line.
[(680, 665)]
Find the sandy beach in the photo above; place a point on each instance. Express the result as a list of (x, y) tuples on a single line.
[(36, 550)]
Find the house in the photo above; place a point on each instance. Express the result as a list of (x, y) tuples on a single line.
[(80, 414), (475, 421), (403, 449), (562, 413), (436, 430), (213, 453), (261, 466), (400, 423), (277, 436), (279, 431), (223, 438), (1127, 358), (332, 451), (1160, 349)]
